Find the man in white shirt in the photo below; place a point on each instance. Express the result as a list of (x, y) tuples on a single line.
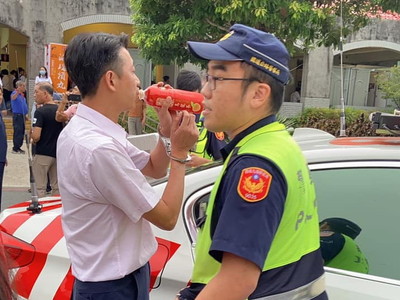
[(107, 203)]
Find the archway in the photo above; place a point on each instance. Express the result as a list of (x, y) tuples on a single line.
[(361, 62), (13, 48), (115, 24)]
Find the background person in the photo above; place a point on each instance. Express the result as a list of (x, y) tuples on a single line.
[(43, 76), (166, 80), (261, 236), (21, 74), (102, 176), (338, 246), (63, 115), (20, 111), (45, 133), (137, 115), (295, 96), (8, 87)]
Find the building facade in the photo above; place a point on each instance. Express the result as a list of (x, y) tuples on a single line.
[(27, 26)]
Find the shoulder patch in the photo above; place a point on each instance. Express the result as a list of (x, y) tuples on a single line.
[(220, 136), (254, 184)]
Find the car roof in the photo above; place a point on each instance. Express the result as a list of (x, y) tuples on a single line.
[(319, 146)]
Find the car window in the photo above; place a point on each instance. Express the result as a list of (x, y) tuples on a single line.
[(370, 197)]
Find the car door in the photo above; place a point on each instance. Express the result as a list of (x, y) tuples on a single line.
[(364, 192), (367, 193)]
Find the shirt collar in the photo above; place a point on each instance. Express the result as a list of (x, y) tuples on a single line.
[(105, 124), (232, 144)]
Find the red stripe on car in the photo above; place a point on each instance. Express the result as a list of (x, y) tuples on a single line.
[(65, 289), (14, 221), (26, 277), (166, 249)]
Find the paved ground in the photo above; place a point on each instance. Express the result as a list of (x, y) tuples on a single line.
[(16, 178), (16, 174)]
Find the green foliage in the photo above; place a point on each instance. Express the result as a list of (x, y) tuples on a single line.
[(389, 82), (163, 27), (151, 120), (327, 119)]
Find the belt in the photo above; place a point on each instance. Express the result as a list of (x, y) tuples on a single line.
[(305, 292)]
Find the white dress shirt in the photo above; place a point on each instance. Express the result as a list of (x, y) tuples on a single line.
[(104, 196)]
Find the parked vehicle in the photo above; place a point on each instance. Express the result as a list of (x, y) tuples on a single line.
[(355, 178)]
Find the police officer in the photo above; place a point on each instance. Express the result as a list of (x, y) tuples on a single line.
[(260, 239), (338, 248)]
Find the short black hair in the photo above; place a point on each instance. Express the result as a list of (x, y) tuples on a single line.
[(89, 55), (166, 78), (277, 87), (188, 81)]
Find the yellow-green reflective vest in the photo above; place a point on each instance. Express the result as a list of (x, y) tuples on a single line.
[(201, 144), (350, 258), (298, 231)]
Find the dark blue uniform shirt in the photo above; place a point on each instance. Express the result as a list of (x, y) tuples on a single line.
[(247, 229), (243, 228)]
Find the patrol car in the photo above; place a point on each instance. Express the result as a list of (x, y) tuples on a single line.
[(355, 178)]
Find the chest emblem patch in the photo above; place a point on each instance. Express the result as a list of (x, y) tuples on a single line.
[(254, 184)]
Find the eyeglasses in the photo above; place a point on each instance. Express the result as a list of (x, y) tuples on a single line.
[(211, 80)]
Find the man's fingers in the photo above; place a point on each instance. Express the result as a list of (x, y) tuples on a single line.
[(176, 121)]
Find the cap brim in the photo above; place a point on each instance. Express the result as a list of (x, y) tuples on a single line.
[(210, 51)]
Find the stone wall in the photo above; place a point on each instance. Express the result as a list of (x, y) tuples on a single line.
[(40, 21), (290, 109), (381, 30)]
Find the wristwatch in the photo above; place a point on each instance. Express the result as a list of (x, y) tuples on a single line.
[(167, 145)]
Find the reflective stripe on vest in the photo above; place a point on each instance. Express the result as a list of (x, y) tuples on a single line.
[(299, 223), (306, 292)]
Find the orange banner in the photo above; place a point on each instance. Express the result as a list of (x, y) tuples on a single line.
[(58, 73)]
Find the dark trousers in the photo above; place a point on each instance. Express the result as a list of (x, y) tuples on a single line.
[(19, 131), (7, 98), (2, 165), (134, 286)]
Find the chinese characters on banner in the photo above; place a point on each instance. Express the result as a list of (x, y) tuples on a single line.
[(56, 67)]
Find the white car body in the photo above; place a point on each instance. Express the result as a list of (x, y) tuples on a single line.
[(49, 273)]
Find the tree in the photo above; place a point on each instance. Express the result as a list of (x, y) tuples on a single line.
[(389, 83), (162, 28)]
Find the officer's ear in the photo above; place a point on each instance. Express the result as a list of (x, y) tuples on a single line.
[(261, 94)]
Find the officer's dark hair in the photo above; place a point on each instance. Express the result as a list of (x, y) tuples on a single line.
[(277, 88), (188, 81), (89, 55), (47, 87)]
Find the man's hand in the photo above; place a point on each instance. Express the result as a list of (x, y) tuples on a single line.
[(198, 161), (61, 116), (184, 134), (165, 116)]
